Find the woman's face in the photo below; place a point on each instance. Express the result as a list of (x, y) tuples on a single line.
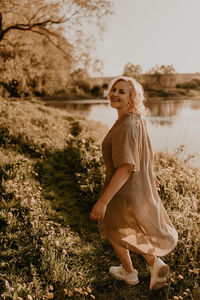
[(120, 95)]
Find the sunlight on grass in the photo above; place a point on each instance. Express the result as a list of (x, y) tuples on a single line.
[(51, 172)]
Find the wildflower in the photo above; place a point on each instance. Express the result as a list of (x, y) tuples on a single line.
[(65, 291), (69, 294), (10, 215), (89, 289), (190, 270), (3, 264), (64, 251)]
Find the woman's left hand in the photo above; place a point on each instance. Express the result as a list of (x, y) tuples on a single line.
[(98, 211)]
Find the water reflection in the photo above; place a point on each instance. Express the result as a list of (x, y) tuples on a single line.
[(195, 105), (161, 111), (171, 123), (164, 112), (164, 108), (161, 122), (76, 107)]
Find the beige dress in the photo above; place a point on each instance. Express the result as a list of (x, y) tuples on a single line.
[(135, 217)]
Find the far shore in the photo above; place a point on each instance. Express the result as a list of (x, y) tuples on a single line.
[(104, 100), (168, 94), (153, 95)]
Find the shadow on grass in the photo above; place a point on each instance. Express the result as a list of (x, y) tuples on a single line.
[(67, 182), (60, 187)]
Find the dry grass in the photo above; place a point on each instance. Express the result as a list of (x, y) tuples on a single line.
[(51, 171)]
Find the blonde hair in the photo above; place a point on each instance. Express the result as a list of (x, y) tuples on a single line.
[(138, 97)]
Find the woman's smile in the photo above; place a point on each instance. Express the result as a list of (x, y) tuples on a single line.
[(115, 99), (120, 97)]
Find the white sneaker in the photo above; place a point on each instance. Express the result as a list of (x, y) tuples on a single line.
[(121, 274), (159, 270)]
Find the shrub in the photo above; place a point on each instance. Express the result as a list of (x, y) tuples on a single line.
[(192, 84), (84, 86), (96, 91), (105, 85), (82, 158)]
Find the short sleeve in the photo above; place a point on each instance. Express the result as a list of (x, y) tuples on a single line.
[(125, 145)]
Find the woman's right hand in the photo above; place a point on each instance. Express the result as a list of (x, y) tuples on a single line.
[(98, 211)]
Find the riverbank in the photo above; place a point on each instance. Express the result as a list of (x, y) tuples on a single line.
[(173, 93), (51, 172)]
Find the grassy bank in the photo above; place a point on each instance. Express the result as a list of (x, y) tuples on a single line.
[(50, 175), (174, 93), (167, 93)]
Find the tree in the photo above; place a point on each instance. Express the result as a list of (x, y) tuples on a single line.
[(44, 19), (61, 23), (80, 83), (162, 76), (132, 70), (163, 69), (34, 66)]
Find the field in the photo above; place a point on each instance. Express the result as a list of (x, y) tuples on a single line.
[(51, 171)]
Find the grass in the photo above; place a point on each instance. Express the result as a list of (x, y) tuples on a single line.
[(51, 172)]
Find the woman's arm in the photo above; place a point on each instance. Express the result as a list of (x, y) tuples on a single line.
[(117, 181)]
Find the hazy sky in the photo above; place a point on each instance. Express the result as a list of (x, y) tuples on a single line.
[(149, 32)]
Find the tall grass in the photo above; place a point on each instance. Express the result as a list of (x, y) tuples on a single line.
[(51, 172)]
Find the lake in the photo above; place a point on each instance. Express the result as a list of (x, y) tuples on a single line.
[(171, 123)]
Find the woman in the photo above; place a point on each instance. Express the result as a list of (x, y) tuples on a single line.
[(129, 211)]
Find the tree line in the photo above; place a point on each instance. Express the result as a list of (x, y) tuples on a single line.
[(43, 44), (46, 47), (157, 77)]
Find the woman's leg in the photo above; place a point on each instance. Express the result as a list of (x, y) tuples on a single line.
[(159, 270), (149, 259), (124, 256)]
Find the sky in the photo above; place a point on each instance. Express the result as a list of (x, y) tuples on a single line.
[(149, 32)]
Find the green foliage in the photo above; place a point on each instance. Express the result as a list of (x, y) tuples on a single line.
[(105, 86), (31, 260), (80, 88), (83, 156), (180, 193), (163, 69), (158, 93), (96, 91), (84, 86), (192, 84), (132, 70), (86, 162), (34, 67), (80, 83), (35, 57), (159, 77)]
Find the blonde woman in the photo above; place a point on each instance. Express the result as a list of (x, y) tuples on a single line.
[(129, 211)]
